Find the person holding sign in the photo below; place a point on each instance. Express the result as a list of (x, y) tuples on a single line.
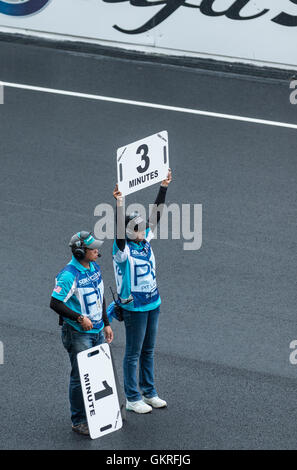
[(78, 298), (135, 274)]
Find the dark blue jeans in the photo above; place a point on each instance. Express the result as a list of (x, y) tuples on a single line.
[(75, 342), (141, 332)]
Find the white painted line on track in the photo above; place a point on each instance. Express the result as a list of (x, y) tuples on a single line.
[(149, 105)]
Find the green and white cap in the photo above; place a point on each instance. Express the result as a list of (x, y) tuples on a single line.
[(85, 239)]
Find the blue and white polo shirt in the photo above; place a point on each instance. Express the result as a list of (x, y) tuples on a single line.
[(135, 274), (82, 290)]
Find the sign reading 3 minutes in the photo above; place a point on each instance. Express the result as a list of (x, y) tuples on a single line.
[(143, 163)]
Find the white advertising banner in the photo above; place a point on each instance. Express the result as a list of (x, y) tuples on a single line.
[(262, 31)]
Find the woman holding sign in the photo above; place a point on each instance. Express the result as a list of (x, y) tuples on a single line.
[(135, 273)]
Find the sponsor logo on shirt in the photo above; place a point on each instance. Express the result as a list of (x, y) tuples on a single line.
[(138, 253), (86, 280)]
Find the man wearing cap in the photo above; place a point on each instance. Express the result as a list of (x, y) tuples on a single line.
[(78, 298)]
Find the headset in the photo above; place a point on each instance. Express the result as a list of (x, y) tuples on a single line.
[(78, 248)]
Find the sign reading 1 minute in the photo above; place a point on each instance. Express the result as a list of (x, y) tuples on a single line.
[(143, 163)]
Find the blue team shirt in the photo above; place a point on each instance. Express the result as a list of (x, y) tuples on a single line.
[(82, 290), (135, 274)]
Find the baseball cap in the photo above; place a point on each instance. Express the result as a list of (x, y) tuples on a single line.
[(87, 238), (134, 223), (138, 222)]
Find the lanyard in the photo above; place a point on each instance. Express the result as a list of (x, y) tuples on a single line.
[(95, 288)]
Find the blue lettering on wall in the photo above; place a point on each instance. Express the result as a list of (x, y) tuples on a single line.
[(22, 8)]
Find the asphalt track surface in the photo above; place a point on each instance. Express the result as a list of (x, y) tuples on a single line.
[(229, 309)]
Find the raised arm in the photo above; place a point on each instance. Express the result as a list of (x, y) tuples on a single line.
[(120, 236), (156, 213)]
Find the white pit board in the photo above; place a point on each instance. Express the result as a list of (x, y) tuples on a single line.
[(99, 390), (143, 163)]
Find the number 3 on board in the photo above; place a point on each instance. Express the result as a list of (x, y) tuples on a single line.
[(144, 158)]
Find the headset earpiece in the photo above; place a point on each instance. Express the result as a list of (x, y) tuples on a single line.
[(79, 250)]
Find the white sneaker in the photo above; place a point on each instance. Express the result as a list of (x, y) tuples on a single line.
[(155, 402), (138, 406)]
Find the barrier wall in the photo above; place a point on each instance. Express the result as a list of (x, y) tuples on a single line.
[(257, 31)]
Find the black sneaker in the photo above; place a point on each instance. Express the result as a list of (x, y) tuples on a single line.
[(81, 428)]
